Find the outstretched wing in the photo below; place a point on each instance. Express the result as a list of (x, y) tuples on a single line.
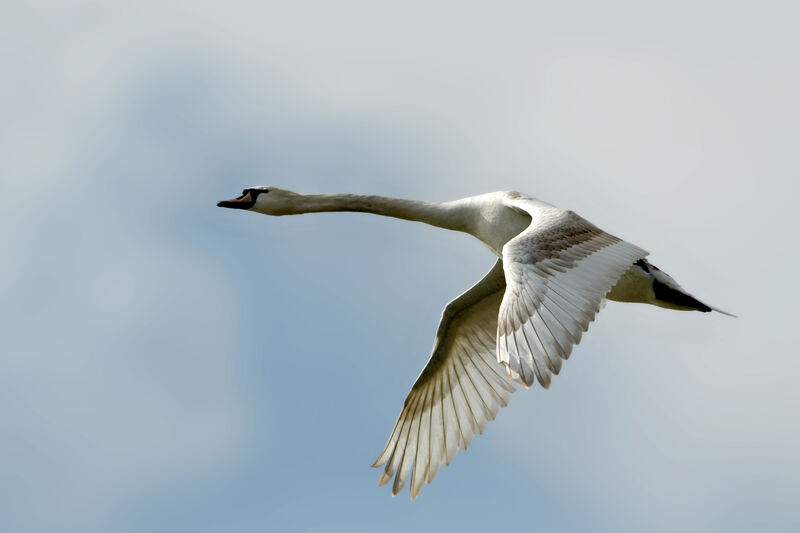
[(461, 388), (557, 272)]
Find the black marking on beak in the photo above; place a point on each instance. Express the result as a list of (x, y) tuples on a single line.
[(245, 201)]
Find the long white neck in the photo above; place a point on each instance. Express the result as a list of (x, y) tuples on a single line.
[(449, 215)]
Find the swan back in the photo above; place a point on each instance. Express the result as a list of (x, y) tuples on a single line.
[(498, 217)]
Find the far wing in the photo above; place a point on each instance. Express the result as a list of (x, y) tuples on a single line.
[(558, 271), (461, 388)]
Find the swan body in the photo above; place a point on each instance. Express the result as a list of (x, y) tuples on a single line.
[(515, 326)]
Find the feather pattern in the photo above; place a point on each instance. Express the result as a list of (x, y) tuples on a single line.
[(460, 389), (557, 272)]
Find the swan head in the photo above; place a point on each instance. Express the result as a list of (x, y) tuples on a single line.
[(264, 199)]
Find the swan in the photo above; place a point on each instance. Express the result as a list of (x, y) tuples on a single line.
[(553, 271)]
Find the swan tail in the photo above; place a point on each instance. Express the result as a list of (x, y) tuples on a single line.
[(669, 294)]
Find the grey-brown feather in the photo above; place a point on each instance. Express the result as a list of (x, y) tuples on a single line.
[(551, 298)]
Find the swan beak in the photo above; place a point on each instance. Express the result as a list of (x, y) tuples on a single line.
[(245, 201)]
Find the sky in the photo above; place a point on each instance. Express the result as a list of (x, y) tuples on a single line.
[(166, 365)]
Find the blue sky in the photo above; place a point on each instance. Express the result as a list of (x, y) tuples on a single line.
[(166, 365)]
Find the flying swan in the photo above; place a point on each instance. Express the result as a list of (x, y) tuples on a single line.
[(515, 325)]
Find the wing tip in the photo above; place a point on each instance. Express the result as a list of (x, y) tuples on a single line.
[(384, 479)]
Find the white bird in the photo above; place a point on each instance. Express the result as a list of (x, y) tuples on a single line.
[(553, 271)]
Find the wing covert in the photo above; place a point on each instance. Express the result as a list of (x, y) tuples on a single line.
[(557, 272)]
